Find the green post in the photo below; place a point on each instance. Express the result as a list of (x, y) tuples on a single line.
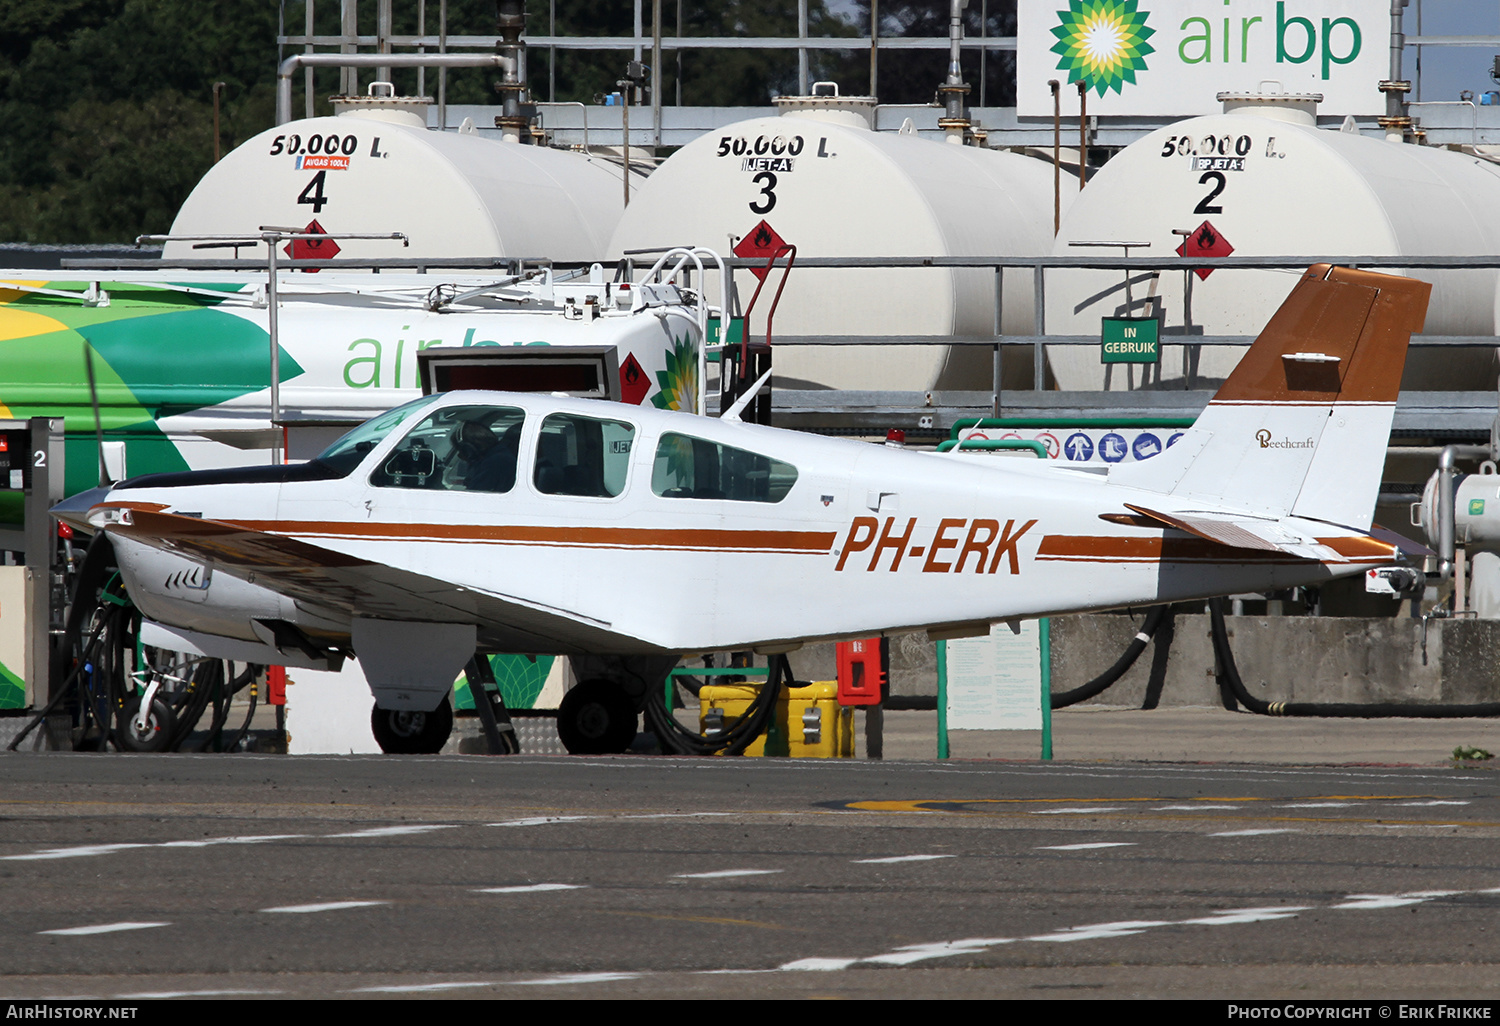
[(1044, 628), (942, 699)]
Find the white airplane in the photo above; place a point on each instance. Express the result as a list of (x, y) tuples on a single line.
[(502, 522)]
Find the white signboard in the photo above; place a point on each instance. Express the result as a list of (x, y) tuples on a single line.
[(995, 682), (1170, 57)]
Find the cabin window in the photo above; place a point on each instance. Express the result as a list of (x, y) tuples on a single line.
[(350, 450), (457, 449), (582, 456), (693, 468)]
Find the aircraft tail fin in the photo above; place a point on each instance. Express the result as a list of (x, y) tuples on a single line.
[(1301, 425)]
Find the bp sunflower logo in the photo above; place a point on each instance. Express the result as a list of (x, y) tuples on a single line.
[(1102, 43)]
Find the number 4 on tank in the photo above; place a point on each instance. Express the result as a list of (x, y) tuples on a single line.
[(313, 193)]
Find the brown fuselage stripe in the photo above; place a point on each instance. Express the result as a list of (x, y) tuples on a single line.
[(593, 537), (1113, 549)]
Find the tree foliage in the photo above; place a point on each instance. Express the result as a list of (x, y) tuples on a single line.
[(108, 104)]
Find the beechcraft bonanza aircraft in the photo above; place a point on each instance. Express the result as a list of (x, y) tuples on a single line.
[(502, 522)]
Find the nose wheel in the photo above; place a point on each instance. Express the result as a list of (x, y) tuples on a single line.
[(410, 731), (145, 733)]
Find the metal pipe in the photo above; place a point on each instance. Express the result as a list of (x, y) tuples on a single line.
[(307, 79), (510, 20), (442, 71), (1445, 510), (802, 75), (383, 37), (874, 47), (372, 60), (955, 119), (1083, 135), (1056, 88), (656, 74), (218, 91), (349, 29)]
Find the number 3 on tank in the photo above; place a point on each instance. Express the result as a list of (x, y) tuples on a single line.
[(767, 180), (313, 193)]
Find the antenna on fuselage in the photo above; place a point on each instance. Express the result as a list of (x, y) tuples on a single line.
[(733, 413)]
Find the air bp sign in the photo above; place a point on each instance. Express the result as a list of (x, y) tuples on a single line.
[(1171, 57), (1129, 340)]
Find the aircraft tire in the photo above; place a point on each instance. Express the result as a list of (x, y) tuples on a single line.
[(408, 732), (160, 726), (596, 717)]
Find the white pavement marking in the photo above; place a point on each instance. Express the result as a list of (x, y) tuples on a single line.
[(1435, 801), (1075, 811), (720, 874), (819, 965), (86, 850), (418, 988), (547, 820), (1368, 901), (326, 906), (1315, 805), (1190, 808), (1087, 847), (1255, 833), (1099, 931), (530, 888), (1234, 916), (1103, 931), (900, 858), (542, 820), (397, 831), (164, 995), (251, 839), (942, 949), (563, 979), (85, 931), (73, 853)]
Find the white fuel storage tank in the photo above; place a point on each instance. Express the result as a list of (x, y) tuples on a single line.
[(824, 181), (380, 169), (1260, 179)]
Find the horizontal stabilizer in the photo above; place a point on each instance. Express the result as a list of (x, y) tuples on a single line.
[(1245, 533)]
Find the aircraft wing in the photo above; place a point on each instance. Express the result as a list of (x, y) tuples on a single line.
[(322, 578)]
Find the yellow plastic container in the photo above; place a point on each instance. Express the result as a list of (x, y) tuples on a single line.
[(809, 722)]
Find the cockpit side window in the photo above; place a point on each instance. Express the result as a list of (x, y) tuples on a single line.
[(582, 456), (695, 468), (457, 449), (350, 450)]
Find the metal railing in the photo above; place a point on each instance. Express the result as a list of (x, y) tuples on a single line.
[(1146, 267)]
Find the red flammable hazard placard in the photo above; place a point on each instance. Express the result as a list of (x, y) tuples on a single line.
[(1205, 242), (762, 243)]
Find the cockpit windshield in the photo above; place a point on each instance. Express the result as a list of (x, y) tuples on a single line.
[(349, 451)]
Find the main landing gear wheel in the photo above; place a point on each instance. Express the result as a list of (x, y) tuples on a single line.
[(152, 735), (411, 732), (596, 717)]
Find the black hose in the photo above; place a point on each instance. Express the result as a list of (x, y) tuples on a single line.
[(1099, 684), (1230, 674), (676, 738)]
